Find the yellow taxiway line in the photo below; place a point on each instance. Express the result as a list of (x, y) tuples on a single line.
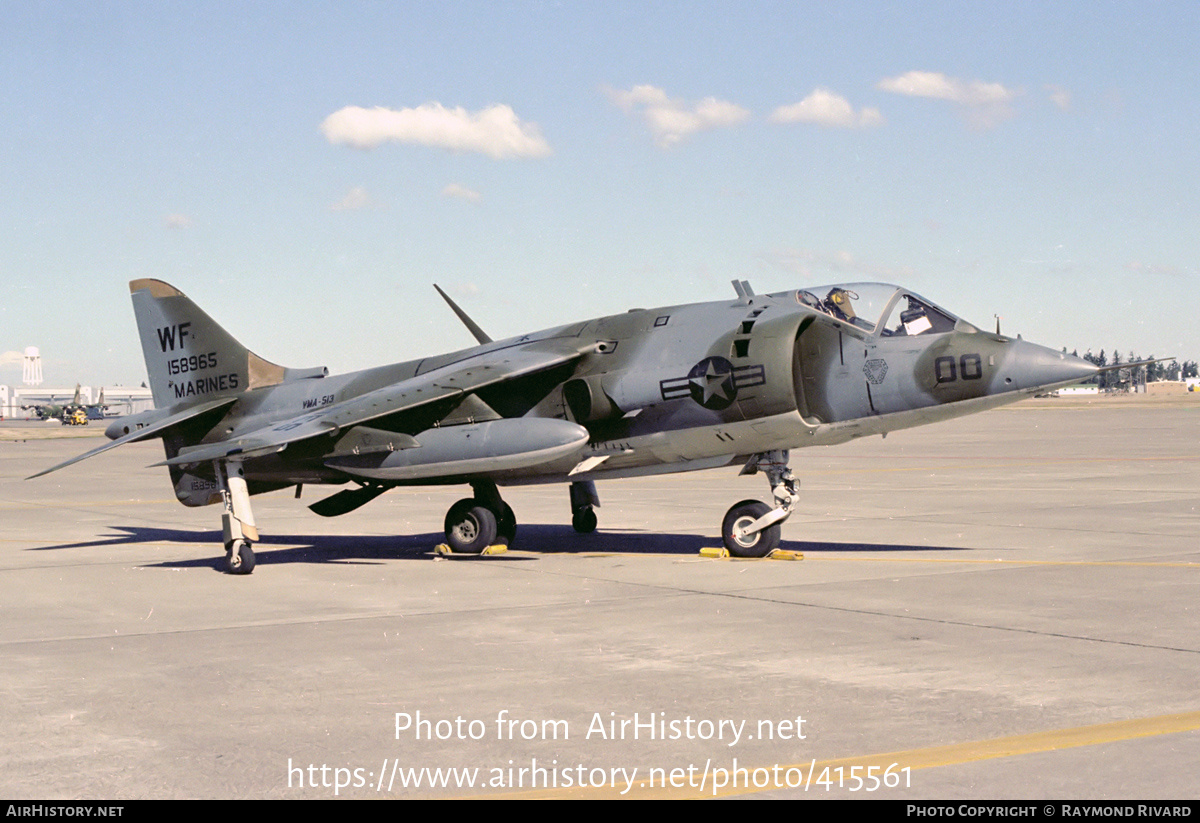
[(776, 777)]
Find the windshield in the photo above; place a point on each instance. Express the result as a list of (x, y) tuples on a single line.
[(870, 306), (862, 304)]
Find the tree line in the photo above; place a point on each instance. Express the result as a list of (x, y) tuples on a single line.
[(1151, 373)]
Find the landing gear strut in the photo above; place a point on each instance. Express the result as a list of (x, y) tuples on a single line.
[(237, 520), (584, 499), (751, 528), (474, 523)]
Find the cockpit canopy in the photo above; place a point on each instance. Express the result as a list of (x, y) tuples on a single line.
[(881, 308)]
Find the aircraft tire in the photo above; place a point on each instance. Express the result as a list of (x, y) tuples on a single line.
[(754, 545), (584, 520), (456, 513), (506, 519), (472, 530), (239, 558)]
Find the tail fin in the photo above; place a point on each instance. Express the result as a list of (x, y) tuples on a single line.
[(189, 358)]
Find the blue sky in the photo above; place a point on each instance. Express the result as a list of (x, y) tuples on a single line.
[(305, 171)]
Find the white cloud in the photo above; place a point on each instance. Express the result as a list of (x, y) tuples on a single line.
[(939, 86), (11, 358), (356, 198), (983, 104), (177, 221), (495, 131), (637, 96), (462, 193), (825, 108), (1060, 96), (671, 120)]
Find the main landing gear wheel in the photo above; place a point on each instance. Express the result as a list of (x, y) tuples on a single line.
[(470, 527), (239, 557), (584, 520), (740, 544), (502, 514), (503, 530)]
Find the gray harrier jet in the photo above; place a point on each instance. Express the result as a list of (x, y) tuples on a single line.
[(736, 382)]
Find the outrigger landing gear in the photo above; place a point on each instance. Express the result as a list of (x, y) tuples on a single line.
[(751, 527), (474, 523), (584, 499), (237, 520)]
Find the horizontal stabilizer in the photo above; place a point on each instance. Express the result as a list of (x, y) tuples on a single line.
[(154, 429), (256, 444), (346, 500), (244, 449)]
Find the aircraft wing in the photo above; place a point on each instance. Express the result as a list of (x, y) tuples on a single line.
[(145, 432), (454, 380)]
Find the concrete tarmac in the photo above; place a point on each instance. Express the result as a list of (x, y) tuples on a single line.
[(1003, 606)]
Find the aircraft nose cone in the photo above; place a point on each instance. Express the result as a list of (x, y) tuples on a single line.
[(1037, 367)]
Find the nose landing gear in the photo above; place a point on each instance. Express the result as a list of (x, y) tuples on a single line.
[(751, 528)]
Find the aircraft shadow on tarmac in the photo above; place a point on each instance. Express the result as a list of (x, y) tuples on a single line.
[(532, 539)]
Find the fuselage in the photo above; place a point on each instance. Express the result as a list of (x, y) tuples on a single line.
[(673, 388)]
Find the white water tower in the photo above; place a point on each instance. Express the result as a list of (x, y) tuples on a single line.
[(31, 374)]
